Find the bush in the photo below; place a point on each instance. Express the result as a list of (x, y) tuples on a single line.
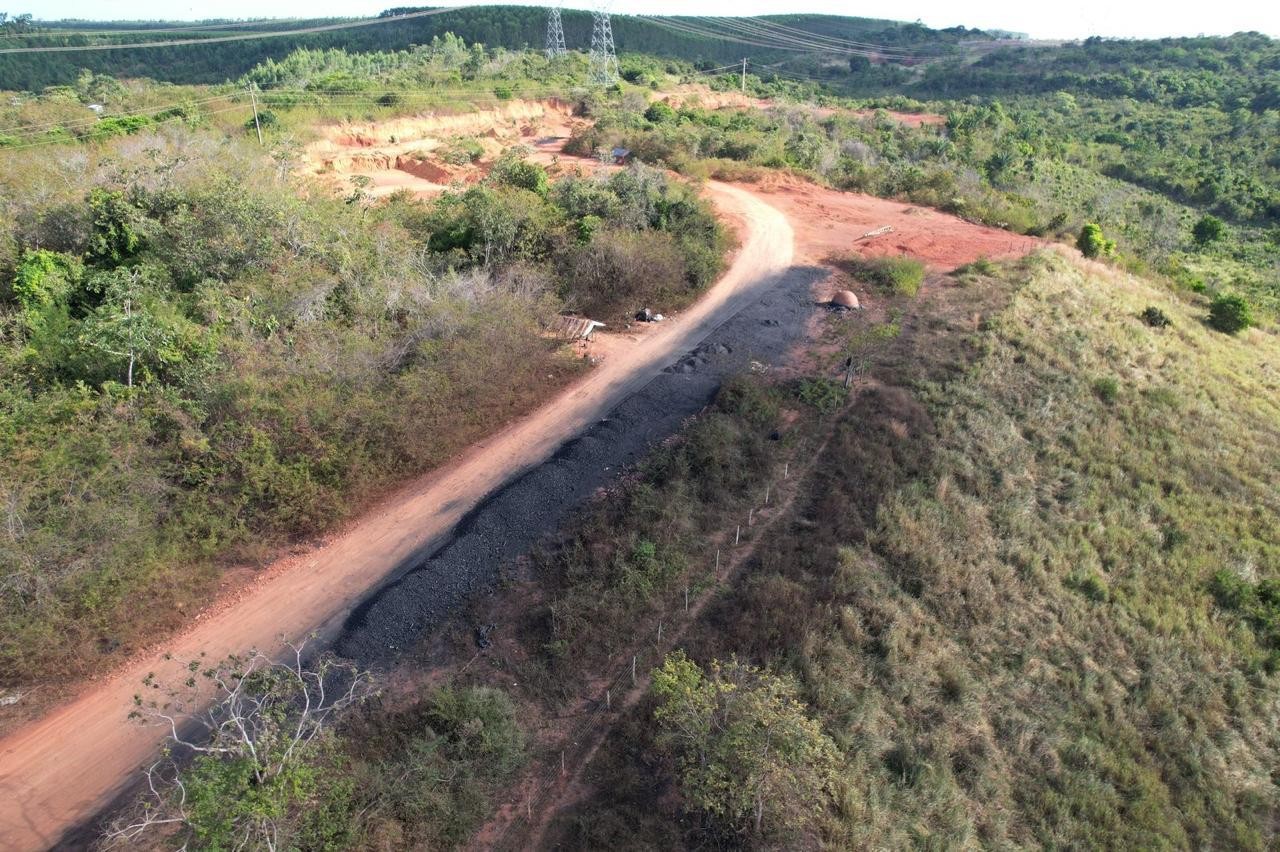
[(660, 113), (265, 119), (746, 752), (1107, 389), (462, 151), (1092, 243), (981, 266), (823, 394), (1230, 313), (1208, 229), (1155, 317), (619, 271), (513, 170), (898, 275)]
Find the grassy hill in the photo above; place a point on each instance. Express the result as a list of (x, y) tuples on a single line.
[(1027, 597)]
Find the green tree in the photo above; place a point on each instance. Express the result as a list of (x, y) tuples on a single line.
[(1092, 243), (125, 327), (660, 112), (1208, 229), (115, 234), (1230, 313), (746, 751), (43, 279)]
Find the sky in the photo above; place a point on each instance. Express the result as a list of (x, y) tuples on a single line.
[(1063, 20)]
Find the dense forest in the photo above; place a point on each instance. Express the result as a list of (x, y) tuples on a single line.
[(513, 27)]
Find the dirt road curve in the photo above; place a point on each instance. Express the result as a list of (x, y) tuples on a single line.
[(59, 771)]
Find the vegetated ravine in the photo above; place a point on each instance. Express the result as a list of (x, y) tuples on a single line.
[(438, 584)]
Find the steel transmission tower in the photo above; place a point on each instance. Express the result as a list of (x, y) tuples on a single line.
[(555, 34), (604, 62)]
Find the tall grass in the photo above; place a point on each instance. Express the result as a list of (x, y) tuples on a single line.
[(899, 276)]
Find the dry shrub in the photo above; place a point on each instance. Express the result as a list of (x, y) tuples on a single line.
[(619, 272)]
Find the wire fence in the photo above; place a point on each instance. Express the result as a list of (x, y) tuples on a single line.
[(610, 701)]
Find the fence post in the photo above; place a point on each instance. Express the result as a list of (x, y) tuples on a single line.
[(659, 632), (608, 699), (633, 669), (751, 515), (737, 534), (766, 495)]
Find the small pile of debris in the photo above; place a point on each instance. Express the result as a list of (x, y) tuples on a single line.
[(646, 315), (575, 328)]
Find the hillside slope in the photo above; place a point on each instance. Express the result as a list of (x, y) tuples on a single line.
[(1029, 597)]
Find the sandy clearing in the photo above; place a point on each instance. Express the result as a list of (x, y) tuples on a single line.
[(59, 771)]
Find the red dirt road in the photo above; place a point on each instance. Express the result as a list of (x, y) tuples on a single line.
[(59, 771)]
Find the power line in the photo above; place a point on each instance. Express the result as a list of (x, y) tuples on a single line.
[(369, 22), (59, 32), (766, 25)]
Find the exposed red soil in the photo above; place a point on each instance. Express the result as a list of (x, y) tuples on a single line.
[(829, 224)]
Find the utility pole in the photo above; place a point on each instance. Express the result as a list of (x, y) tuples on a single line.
[(256, 124), (555, 33), (744, 75), (604, 61)]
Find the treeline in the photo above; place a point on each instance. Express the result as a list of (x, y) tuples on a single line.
[(1240, 71), (513, 27)]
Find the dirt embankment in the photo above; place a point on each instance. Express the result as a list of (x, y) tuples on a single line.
[(406, 152), (414, 152)]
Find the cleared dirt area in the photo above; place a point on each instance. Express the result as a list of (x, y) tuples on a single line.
[(418, 153), (830, 223)]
